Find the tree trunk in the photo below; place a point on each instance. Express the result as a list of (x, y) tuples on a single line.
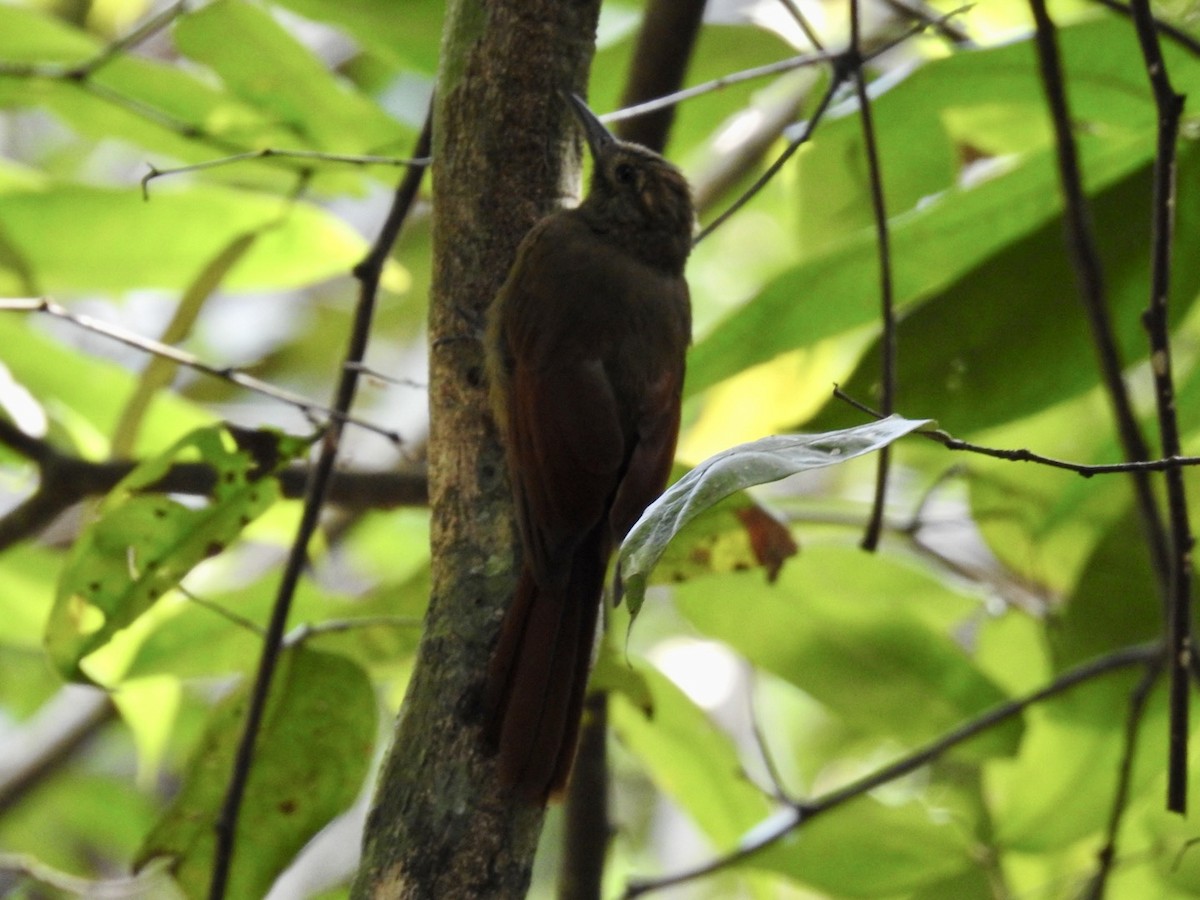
[(504, 156)]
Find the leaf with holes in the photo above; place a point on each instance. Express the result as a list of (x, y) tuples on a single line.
[(757, 462), (142, 543)]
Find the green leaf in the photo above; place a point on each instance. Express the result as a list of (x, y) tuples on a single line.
[(870, 850), (1059, 788), (68, 240), (27, 575), (84, 393), (160, 371), (407, 36), (873, 662), (955, 230), (313, 752), (283, 78), (957, 351), (77, 814), (143, 544), (1116, 602), (690, 759), (378, 630), (736, 469), (932, 248), (147, 103), (734, 535)]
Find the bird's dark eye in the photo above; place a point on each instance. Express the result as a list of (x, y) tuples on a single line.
[(624, 173)]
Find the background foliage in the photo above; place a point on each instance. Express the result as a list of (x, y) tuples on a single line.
[(993, 577)]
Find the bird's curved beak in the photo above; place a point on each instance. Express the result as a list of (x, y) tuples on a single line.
[(598, 137)]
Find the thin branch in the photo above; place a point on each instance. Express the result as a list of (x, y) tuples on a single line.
[(801, 814), (307, 631), (756, 136), (887, 312), (64, 480), (272, 153), (778, 789), (1166, 29), (368, 272), (28, 867), (82, 71), (81, 75), (923, 12), (842, 66), (802, 61), (1156, 319), (309, 408), (1085, 257), (771, 170), (587, 830), (800, 19), (1107, 854), (1022, 455), (29, 773)]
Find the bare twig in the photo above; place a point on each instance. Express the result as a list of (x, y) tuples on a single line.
[(923, 12), (307, 631), (1156, 320), (887, 311), (587, 830), (1023, 455), (233, 375), (81, 75), (1178, 35), (800, 19), (64, 480), (842, 66), (27, 867), (660, 60), (1107, 854), (368, 272), (754, 141), (771, 170), (88, 718), (803, 813), (802, 61), (82, 71), (778, 789), (272, 153), (1085, 257)]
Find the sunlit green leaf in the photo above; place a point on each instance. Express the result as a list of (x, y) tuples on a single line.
[(284, 78), (320, 704), (690, 759), (66, 235), (837, 634), (907, 846), (1059, 788), (953, 232), (143, 544), (83, 390)]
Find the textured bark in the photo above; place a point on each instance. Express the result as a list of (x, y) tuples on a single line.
[(504, 156)]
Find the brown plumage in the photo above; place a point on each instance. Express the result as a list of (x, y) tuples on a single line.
[(585, 350)]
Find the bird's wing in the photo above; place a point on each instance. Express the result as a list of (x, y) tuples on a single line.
[(567, 448), (653, 453)]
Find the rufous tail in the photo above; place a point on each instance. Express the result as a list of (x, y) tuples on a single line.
[(535, 686)]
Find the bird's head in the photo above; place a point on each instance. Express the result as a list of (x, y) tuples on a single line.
[(636, 196)]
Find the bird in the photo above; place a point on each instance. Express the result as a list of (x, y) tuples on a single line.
[(585, 348)]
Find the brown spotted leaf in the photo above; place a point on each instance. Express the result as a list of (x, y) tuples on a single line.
[(143, 543)]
